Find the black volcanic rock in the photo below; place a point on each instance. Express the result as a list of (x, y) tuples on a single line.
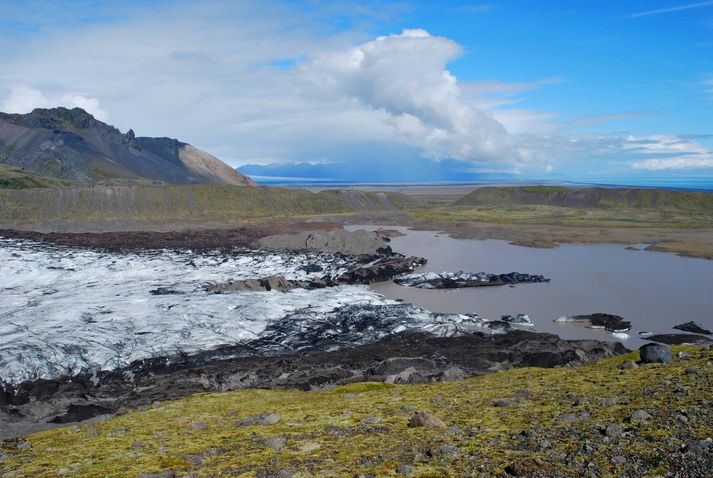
[(678, 339), (382, 269), (72, 144), (610, 322), (77, 413), (655, 353)]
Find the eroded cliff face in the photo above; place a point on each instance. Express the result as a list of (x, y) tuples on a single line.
[(120, 207), (71, 144)]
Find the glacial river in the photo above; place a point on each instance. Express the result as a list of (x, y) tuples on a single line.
[(653, 290)]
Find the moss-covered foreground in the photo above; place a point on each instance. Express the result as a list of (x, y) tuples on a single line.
[(523, 421)]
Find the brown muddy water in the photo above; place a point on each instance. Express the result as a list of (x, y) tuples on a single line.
[(653, 290)]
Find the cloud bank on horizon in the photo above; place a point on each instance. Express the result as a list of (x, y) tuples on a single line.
[(312, 86)]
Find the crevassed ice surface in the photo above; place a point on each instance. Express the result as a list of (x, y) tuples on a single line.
[(65, 310)]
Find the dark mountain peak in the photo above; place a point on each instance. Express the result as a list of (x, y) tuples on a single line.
[(74, 118)]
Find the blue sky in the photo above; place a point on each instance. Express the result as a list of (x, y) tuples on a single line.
[(446, 90)]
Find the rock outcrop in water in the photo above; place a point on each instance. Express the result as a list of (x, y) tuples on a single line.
[(376, 269), (381, 269), (519, 319), (678, 339), (610, 322), (457, 280), (693, 328)]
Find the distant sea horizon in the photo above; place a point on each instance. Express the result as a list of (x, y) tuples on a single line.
[(689, 184)]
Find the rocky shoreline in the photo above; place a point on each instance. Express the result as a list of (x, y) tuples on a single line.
[(401, 358)]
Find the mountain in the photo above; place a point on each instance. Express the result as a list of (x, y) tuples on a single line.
[(71, 144)]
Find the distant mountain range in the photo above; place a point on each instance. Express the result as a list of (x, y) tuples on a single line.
[(359, 166), (71, 144)]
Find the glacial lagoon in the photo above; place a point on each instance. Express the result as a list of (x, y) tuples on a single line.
[(653, 290)]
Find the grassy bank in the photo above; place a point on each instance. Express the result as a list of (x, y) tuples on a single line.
[(555, 422), (588, 207), (569, 216), (543, 216), (176, 204)]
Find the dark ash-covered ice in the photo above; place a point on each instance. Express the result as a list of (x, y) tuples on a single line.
[(457, 280), (355, 324), (519, 319)]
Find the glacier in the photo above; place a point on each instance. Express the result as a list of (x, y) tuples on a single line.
[(65, 310)]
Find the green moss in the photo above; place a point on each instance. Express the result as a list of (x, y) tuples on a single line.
[(326, 435)]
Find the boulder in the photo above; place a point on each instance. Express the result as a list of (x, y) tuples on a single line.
[(259, 419), (275, 443), (699, 446), (655, 353), (613, 430), (444, 450), (426, 420), (404, 470), (640, 416), (628, 365)]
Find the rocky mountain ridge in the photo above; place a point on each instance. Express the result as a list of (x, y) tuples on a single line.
[(71, 144)]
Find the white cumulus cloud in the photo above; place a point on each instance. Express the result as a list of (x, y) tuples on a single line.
[(405, 76), (23, 99), (669, 153)]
